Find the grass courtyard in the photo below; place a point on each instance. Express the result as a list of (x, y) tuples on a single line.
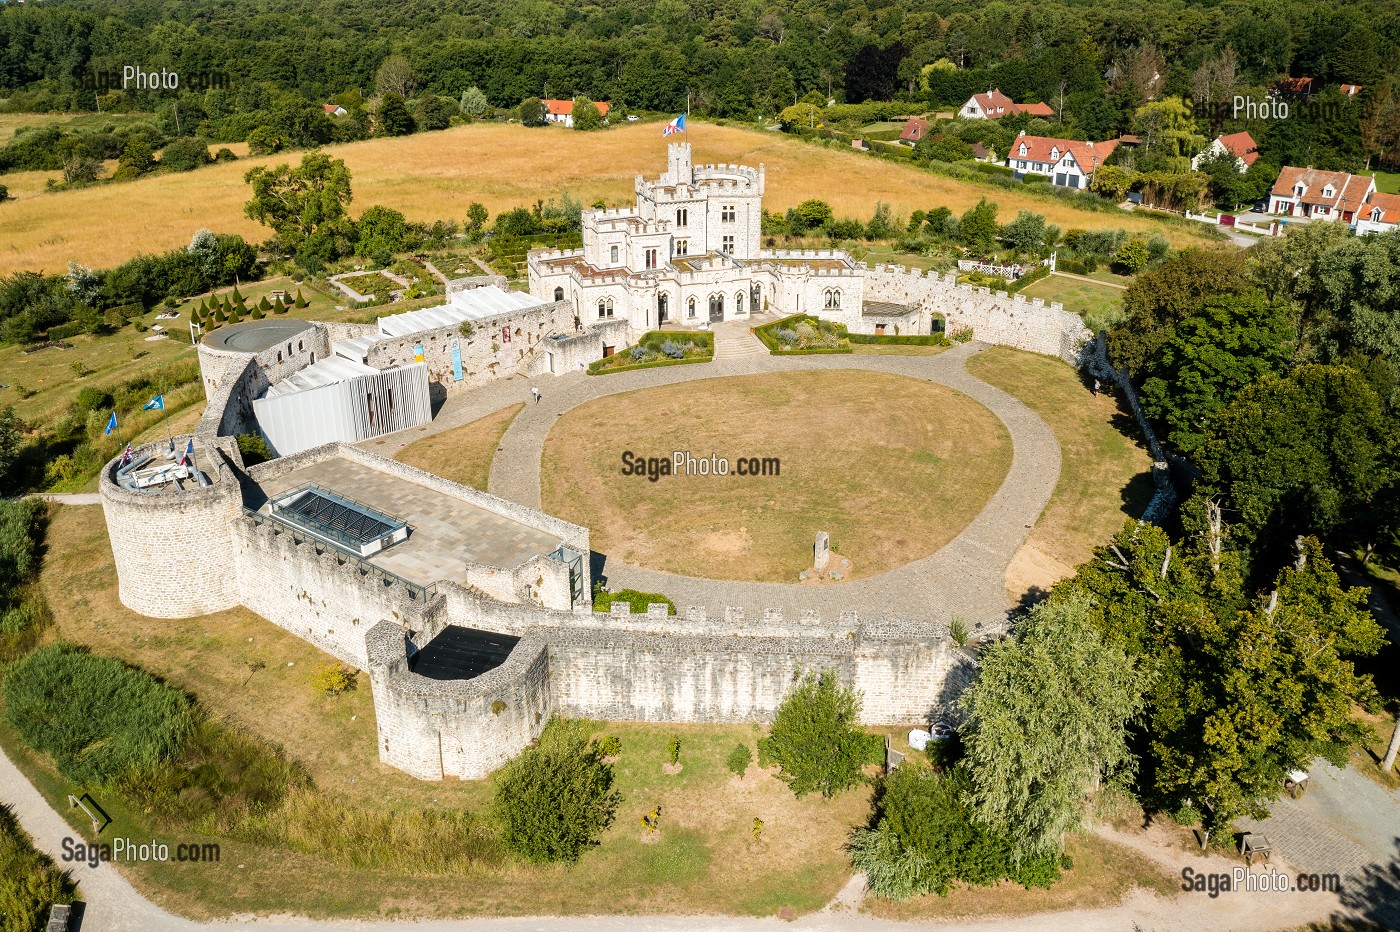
[(462, 454), (1083, 298), (1104, 474), (861, 453)]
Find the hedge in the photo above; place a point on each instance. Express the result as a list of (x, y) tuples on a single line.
[(766, 336), (603, 600), (1030, 279), (597, 367), (64, 331), (654, 340), (885, 339)]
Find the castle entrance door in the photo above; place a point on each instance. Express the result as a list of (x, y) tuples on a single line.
[(716, 308), (662, 310)]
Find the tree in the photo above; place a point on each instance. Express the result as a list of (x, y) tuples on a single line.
[(473, 103), (815, 737), (1210, 358), (395, 76), (304, 206), (978, 228), (10, 443), (533, 112), (881, 225), (137, 158), (433, 112), (185, 154), (586, 114), (264, 140), (943, 148), (382, 231), (1131, 257), (1158, 299), (800, 116), (1026, 233), (1380, 123), (1168, 133), (812, 214), (555, 798), (393, 118), (1047, 720), (476, 219), (1139, 73)]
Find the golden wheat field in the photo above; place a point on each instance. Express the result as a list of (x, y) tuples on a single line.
[(432, 176)]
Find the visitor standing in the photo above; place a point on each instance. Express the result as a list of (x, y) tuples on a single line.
[(536, 393)]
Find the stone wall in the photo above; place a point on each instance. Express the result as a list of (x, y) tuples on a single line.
[(994, 317), (486, 355)]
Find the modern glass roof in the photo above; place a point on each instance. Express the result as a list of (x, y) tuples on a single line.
[(324, 513)]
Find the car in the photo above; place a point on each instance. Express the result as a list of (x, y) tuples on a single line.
[(632, 118), (1257, 208)]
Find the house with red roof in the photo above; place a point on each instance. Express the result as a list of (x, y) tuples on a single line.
[(1379, 215), (1241, 145), (1350, 90), (562, 111), (335, 110), (994, 105), (1068, 163), (913, 131), (1320, 195)]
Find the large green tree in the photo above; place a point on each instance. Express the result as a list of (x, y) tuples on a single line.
[(1047, 719), (305, 206), (816, 737)]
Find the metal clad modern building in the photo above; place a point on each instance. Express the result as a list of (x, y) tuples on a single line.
[(340, 399)]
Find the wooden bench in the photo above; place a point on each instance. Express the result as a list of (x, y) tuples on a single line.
[(1252, 845)]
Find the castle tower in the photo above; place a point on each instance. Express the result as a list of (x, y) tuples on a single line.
[(679, 169)]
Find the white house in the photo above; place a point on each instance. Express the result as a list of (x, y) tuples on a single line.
[(1067, 163), (1380, 215), (562, 111), (994, 105), (1241, 145), (1320, 195)]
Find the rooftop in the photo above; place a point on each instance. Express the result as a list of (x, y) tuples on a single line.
[(462, 653), (447, 532), (255, 335), (472, 304), (885, 309), (326, 372)]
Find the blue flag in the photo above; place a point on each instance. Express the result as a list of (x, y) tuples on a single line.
[(155, 404), (675, 126), (111, 424)]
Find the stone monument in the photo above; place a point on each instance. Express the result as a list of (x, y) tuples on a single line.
[(823, 552)]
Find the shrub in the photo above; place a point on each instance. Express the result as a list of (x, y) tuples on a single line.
[(30, 882), (815, 739), (739, 759), (961, 335), (98, 719), (673, 750), (554, 800), (93, 399), (959, 630), (334, 679), (609, 746), (603, 600)]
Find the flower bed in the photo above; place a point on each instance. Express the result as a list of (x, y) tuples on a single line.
[(659, 348), (803, 333)]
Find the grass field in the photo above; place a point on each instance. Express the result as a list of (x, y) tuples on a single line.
[(462, 454), (1077, 296), (433, 176), (1388, 182), (87, 122), (253, 675), (1104, 475), (851, 445)]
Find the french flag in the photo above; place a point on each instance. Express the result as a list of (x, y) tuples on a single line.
[(675, 126), (187, 457)]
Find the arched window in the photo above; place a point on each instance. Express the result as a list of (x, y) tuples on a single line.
[(559, 294), (610, 307), (833, 297), (755, 299), (690, 308), (682, 217), (298, 346), (602, 309), (739, 302)]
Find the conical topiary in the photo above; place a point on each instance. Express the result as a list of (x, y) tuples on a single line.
[(237, 295), (221, 315), (257, 313), (301, 302), (279, 306), (235, 317), (264, 305)]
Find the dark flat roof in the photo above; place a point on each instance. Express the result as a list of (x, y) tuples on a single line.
[(885, 309), (462, 653), (254, 336)]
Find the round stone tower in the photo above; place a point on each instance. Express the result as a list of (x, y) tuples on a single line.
[(174, 546)]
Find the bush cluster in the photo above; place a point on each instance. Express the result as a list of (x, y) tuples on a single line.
[(29, 881), (816, 740)]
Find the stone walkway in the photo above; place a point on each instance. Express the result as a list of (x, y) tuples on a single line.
[(965, 578)]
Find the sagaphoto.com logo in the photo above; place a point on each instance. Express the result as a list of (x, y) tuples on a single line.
[(686, 463), (137, 77)]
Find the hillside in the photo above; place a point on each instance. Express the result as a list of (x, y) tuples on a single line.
[(433, 176)]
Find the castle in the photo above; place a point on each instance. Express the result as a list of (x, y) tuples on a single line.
[(472, 614)]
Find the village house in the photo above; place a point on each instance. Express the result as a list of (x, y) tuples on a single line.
[(1349, 91), (1320, 195), (1379, 215), (562, 111), (1241, 145), (913, 131), (994, 105), (1067, 163), (335, 110)]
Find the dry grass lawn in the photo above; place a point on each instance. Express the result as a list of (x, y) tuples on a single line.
[(861, 453), (252, 674), (462, 454), (434, 176), (1105, 471)]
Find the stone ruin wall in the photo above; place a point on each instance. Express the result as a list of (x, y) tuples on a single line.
[(995, 317)]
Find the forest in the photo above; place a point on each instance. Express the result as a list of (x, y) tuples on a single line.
[(726, 59)]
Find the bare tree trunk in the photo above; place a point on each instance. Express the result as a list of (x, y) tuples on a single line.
[(1394, 748)]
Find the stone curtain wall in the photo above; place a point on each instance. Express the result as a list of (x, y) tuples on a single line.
[(995, 317), (529, 333)]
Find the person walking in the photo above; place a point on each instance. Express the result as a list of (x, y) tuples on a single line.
[(536, 393)]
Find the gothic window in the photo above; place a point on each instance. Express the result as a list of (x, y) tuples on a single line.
[(682, 217), (559, 294), (651, 258), (602, 308), (739, 302), (755, 298), (682, 247), (610, 307), (690, 308), (832, 297)]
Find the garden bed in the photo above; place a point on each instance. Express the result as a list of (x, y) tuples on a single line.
[(803, 334), (659, 348)]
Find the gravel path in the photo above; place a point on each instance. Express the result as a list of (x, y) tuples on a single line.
[(965, 578)]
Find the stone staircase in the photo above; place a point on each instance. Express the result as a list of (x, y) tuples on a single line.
[(735, 342)]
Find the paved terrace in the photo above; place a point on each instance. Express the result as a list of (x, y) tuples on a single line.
[(445, 532)]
